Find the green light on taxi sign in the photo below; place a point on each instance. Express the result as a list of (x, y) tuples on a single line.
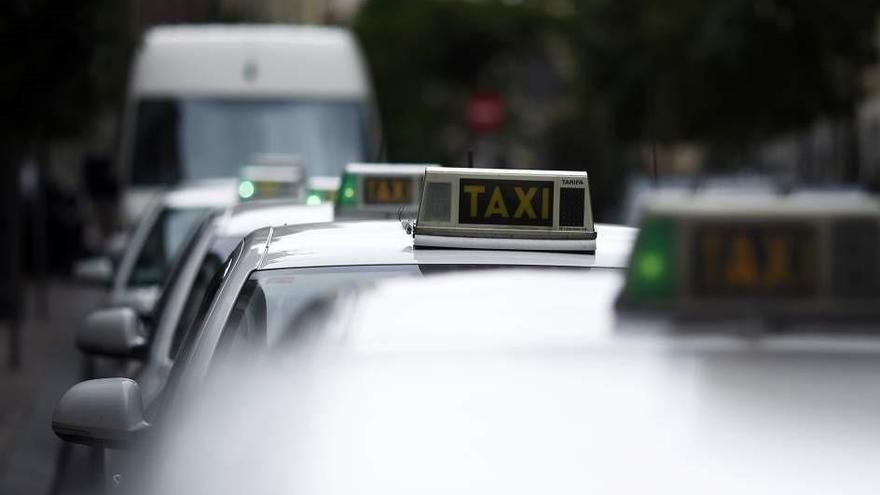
[(347, 192), (653, 265), (774, 260), (314, 199), (246, 189)]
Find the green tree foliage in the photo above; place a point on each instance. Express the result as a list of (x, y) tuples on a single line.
[(725, 70), (725, 73), (426, 57)]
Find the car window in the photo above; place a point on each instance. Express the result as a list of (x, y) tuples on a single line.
[(198, 294), (177, 269), (163, 244), (187, 338)]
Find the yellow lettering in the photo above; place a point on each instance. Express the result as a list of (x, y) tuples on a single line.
[(399, 191), (268, 188), (525, 202), (384, 192), (742, 269), (474, 192), (496, 205), (545, 203), (778, 256)]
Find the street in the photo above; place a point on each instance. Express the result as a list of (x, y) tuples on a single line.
[(29, 450)]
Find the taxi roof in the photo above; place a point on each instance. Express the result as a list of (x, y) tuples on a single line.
[(816, 203), (244, 218), (211, 193), (388, 168), (594, 322), (542, 391), (386, 243)]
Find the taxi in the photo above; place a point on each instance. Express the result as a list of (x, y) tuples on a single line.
[(154, 244), (779, 258), (379, 190), (520, 219), (151, 344), (567, 381), (523, 219), (273, 177), (148, 347)]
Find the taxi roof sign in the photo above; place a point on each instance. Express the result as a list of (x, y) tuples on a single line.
[(535, 210), (272, 177), (322, 189), (379, 190), (798, 256)]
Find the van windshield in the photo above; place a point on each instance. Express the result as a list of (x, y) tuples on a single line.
[(182, 139)]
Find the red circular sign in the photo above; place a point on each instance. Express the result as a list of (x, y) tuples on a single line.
[(484, 112)]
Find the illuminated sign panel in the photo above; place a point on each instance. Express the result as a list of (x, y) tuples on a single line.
[(506, 202)]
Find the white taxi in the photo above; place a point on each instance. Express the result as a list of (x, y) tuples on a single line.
[(738, 354), (525, 220)]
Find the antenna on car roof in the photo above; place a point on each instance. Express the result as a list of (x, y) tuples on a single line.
[(654, 158), (470, 156), (649, 104)]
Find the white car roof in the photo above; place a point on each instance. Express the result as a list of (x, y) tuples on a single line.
[(503, 309), (211, 193), (249, 60), (243, 219), (386, 243), (520, 381), (759, 204)]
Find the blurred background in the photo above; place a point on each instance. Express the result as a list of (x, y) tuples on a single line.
[(625, 89), (779, 93)]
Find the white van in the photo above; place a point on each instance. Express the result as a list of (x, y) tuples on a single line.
[(203, 99)]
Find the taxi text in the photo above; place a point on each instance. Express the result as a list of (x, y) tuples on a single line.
[(506, 202)]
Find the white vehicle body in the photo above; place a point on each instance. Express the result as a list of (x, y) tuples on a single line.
[(527, 382), (187, 286), (353, 247), (217, 240), (312, 260), (189, 201), (228, 80), (386, 243)]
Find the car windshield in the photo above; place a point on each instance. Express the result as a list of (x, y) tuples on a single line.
[(272, 299), (180, 139), (163, 244)]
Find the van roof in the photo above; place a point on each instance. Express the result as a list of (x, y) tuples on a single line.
[(261, 61)]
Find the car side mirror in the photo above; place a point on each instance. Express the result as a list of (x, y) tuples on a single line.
[(97, 270), (141, 299), (116, 332), (107, 412), (114, 246)]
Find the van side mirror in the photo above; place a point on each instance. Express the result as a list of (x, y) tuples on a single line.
[(115, 332), (97, 270), (107, 412)]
